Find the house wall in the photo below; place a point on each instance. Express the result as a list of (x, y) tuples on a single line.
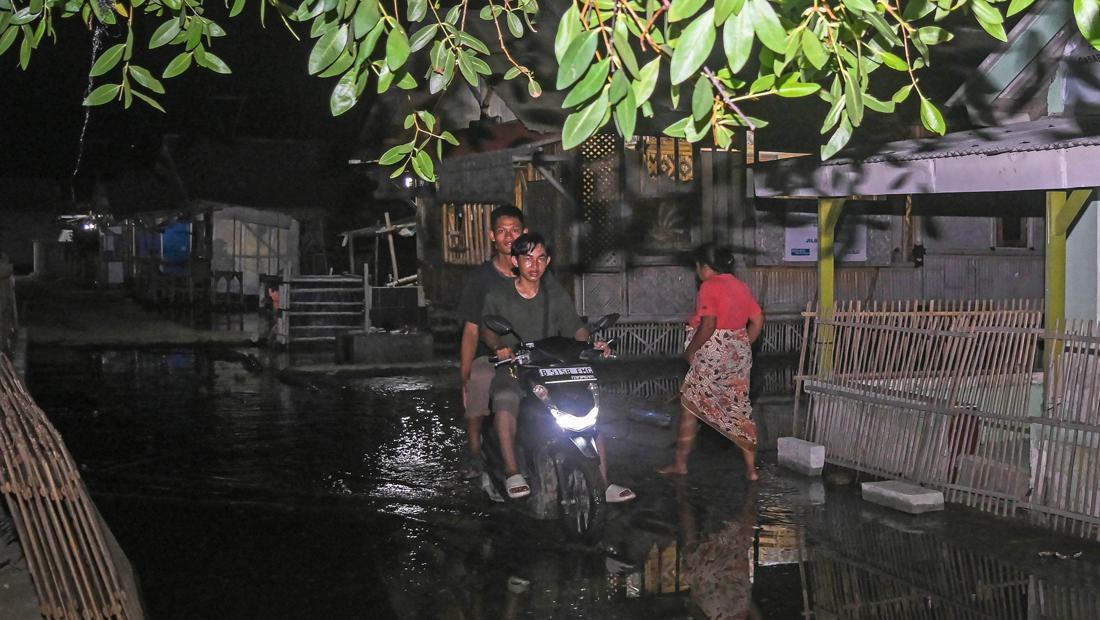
[(1083, 262)]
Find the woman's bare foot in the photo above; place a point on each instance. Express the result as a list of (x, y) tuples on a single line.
[(673, 470)]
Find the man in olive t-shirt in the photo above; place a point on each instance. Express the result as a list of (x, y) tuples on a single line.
[(537, 309)]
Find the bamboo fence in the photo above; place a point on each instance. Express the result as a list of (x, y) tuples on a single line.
[(943, 394), (77, 568), (465, 237)]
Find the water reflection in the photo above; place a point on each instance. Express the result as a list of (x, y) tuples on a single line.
[(236, 494)]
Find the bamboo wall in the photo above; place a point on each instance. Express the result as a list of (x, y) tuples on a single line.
[(944, 395)]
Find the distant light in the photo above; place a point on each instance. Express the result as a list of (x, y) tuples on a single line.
[(89, 225), (408, 181)]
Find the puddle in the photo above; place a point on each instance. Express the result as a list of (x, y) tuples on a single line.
[(237, 495)]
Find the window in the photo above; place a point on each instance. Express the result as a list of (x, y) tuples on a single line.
[(465, 236), (1011, 232)]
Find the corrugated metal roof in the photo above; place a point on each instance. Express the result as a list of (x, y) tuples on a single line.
[(1046, 154)]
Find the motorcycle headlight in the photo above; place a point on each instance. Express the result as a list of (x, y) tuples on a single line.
[(577, 423), (570, 422)]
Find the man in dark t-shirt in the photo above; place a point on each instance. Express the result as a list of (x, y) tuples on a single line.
[(505, 225), (537, 308)]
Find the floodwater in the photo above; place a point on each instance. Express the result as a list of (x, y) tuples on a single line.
[(237, 494)]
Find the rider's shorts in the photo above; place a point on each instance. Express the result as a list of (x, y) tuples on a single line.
[(478, 388), (505, 389)]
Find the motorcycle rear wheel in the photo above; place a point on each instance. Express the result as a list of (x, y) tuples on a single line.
[(583, 510)]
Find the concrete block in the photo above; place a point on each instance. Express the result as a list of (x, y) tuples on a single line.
[(801, 456), (360, 347), (903, 496)]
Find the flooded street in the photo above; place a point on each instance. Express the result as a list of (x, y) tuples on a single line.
[(236, 494)]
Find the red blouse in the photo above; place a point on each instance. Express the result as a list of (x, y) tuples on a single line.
[(727, 298)]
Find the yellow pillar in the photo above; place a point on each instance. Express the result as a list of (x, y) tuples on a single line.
[(1062, 210), (828, 213)]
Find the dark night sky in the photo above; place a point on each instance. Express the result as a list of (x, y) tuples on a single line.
[(269, 95)]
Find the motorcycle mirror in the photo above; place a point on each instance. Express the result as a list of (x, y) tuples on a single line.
[(498, 324), (604, 322)]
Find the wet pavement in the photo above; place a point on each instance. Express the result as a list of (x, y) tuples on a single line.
[(239, 492)]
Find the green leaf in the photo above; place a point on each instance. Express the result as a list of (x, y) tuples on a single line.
[(1016, 6), (623, 48), (591, 84), (724, 8), (1087, 15), (473, 42), (695, 44), (793, 88), (931, 118), (238, 6), (397, 48), (985, 12), (8, 38), (417, 9), (366, 17), (568, 29), (863, 6), (620, 86), (878, 105), (737, 38), (683, 9), (107, 60), (762, 83), (934, 35), (580, 125), (145, 78), (534, 89), (178, 65), (102, 95), (883, 28), (515, 25), (916, 9), (902, 93), (215, 64), (422, 37), (853, 96), (423, 166), (834, 115), (702, 98), (344, 95), (328, 47), (577, 58), (839, 138), (395, 154), (512, 73), (678, 129), (647, 80), (997, 31), (893, 61), (341, 64), (467, 69), (149, 100), (449, 137), (767, 26), (814, 50), (626, 115)]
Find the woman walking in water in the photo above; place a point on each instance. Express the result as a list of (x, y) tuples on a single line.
[(727, 321)]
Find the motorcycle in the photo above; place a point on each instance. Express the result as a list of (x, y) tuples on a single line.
[(555, 431)]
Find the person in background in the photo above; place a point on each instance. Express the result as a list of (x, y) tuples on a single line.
[(727, 321), (505, 225)]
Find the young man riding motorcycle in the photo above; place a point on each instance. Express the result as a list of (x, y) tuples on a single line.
[(536, 310)]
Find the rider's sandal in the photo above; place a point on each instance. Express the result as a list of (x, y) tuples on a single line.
[(617, 493), (517, 487)]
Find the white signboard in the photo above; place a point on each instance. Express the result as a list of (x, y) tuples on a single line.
[(800, 242)]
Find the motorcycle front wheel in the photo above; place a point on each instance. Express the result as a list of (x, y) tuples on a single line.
[(581, 493)]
